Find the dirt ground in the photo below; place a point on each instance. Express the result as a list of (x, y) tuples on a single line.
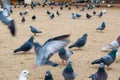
[(11, 65)]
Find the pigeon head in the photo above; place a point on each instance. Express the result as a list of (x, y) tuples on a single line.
[(23, 75), (48, 75), (69, 68)]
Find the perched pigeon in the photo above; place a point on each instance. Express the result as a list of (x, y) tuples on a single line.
[(58, 13), (106, 59), (49, 48), (101, 27), (52, 16), (23, 75), (88, 16), (5, 16), (100, 14), (23, 19), (48, 76), (101, 74), (80, 42), (26, 46), (48, 12), (33, 17), (34, 30), (68, 72), (64, 54)]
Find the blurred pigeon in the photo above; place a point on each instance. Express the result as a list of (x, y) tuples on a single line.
[(88, 16), (33, 17), (48, 76), (52, 16), (80, 42), (4, 16), (48, 12), (106, 59), (26, 46), (23, 19), (101, 74), (82, 9), (49, 48), (64, 54), (113, 45), (68, 72), (104, 11), (100, 14), (94, 12), (101, 27), (58, 13), (34, 30), (23, 75)]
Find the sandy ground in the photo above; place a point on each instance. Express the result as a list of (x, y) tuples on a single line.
[(11, 65)]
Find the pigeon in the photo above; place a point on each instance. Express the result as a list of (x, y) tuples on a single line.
[(94, 12), (5, 17), (58, 13), (80, 42), (52, 16), (48, 75), (68, 72), (107, 59), (88, 16), (34, 30), (23, 19), (27, 46), (101, 74), (101, 27), (49, 48), (115, 44), (100, 14), (33, 17), (64, 54), (48, 12), (104, 11), (23, 75)]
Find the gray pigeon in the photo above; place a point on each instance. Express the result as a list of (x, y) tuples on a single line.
[(106, 59), (68, 72), (48, 75), (50, 47), (26, 46), (34, 30), (100, 74), (64, 54), (80, 42), (101, 26), (4, 16)]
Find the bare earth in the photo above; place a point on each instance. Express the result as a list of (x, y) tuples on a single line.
[(11, 65)]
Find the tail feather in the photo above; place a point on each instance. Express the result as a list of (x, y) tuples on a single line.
[(98, 61)]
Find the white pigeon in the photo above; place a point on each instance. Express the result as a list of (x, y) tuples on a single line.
[(104, 11), (23, 75)]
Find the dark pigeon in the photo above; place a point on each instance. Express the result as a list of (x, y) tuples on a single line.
[(49, 48), (88, 16), (68, 72), (106, 59), (27, 46), (101, 74), (80, 42), (34, 30), (48, 75), (101, 27)]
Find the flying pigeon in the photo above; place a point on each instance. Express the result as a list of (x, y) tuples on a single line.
[(33, 17), (101, 74), (58, 13), (5, 16), (23, 75), (52, 16), (101, 27), (113, 45), (48, 75), (49, 48), (107, 59), (68, 72), (88, 16), (34, 30), (80, 42), (23, 19), (64, 54), (26, 46), (48, 12)]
